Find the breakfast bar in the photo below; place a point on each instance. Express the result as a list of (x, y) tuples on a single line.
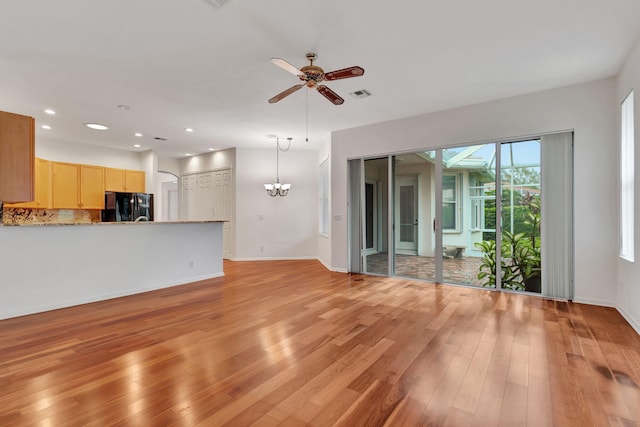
[(50, 266)]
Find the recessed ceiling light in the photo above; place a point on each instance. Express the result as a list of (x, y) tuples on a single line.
[(96, 126), (124, 107), (271, 136), (188, 154), (212, 149), (45, 127), (137, 145), (188, 129), (138, 134), (49, 111)]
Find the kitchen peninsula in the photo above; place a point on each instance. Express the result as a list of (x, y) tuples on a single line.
[(49, 266)]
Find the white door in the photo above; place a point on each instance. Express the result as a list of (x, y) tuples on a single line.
[(189, 196), (223, 208), (406, 213)]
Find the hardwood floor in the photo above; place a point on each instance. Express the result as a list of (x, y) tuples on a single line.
[(288, 343)]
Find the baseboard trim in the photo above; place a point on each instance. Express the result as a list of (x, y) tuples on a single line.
[(275, 259), (634, 324), (590, 301)]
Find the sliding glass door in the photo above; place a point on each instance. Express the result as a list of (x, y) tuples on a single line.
[(521, 216), (468, 213), (438, 214), (414, 215), (376, 216)]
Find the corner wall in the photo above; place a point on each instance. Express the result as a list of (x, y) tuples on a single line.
[(628, 273), (588, 109)]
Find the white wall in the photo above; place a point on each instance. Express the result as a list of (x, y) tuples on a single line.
[(209, 161), (588, 109), (84, 263), (324, 241), (629, 273), (169, 165), (63, 151), (276, 227)]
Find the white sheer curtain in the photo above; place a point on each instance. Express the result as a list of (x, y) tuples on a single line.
[(557, 215)]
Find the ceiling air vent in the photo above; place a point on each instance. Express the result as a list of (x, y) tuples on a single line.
[(362, 93), (158, 138), (216, 3)]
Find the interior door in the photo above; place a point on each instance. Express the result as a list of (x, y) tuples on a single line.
[(407, 215)]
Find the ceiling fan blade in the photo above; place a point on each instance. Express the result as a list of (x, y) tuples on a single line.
[(286, 66), (330, 95), (285, 93), (344, 73)]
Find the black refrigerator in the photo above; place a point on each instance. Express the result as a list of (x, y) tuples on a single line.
[(122, 207)]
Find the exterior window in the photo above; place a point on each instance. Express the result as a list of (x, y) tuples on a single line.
[(450, 200), (479, 193), (323, 190), (626, 180)]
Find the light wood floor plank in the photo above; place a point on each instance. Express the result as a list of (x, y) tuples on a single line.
[(288, 343)]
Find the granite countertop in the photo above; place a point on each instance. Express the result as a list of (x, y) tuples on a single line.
[(129, 223)]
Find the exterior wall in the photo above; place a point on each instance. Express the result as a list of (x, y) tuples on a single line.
[(588, 109)]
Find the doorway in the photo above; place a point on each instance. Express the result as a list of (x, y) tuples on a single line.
[(406, 213)]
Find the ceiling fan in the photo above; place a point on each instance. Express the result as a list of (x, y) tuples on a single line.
[(311, 75)]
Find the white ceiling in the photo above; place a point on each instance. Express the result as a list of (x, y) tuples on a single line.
[(186, 63)]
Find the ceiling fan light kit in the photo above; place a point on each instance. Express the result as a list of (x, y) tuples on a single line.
[(311, 75)]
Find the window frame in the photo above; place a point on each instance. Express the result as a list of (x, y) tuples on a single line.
[(627, 178), (457, 202), (323, 197)]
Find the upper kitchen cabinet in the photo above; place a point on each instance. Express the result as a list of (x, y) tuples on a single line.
[(65, 185), (17, 157), (75, 186), (124, 180), (135, 181), (42, 199), (91, 187)]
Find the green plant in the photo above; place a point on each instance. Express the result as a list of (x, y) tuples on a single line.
[(520, 263)]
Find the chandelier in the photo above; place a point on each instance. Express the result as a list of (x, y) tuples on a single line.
[(278, 189)]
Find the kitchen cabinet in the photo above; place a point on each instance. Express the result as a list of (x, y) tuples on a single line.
[(42, 188), (75, 186), (65, 185), (135, 181), (131, 181), (17, 157), (91, 187)]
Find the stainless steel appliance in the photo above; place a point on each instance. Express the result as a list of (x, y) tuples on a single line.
[(120, 207)]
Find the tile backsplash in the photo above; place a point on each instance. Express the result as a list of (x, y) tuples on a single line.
[(18, 216)]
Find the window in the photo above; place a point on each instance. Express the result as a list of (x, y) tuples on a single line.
[(323, 190), (450, 198), (626, 179), (481, 197)]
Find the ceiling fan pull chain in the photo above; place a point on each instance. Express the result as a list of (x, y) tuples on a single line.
[(307, 117)]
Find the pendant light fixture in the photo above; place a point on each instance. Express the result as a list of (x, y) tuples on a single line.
[(278, 189)]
